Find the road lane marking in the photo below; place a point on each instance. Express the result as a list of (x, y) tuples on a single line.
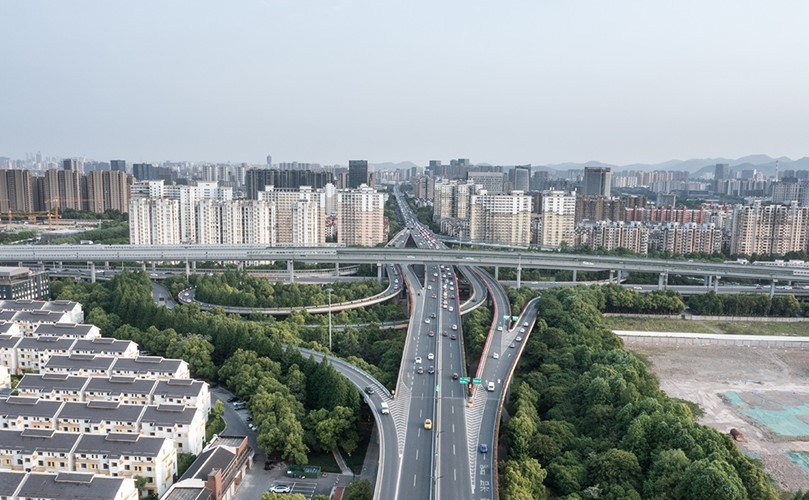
[(417, 453)]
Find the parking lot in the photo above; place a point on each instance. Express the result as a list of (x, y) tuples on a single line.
[(305, 488)]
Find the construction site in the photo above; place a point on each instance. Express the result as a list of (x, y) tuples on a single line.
[(760, 393)]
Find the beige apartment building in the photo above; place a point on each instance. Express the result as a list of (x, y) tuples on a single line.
[(500, 218), (771, 229), (557, 218), (361, 217)]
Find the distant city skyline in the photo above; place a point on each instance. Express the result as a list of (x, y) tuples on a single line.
[(525, 82)]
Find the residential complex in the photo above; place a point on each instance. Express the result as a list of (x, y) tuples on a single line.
[(500, 218)]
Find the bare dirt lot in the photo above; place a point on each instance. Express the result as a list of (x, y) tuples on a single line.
[(703, 374)]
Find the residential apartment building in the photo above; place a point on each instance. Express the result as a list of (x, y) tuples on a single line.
[(770, 229), (632, 236), (683, 239), (491, 182), (557, 218), (300, 215), (154, 221), (500, 218), (59, 486), (217, 472), (18, 283), (73, 310), (16, 191), (597, 181), (361, 217), (107, 190)]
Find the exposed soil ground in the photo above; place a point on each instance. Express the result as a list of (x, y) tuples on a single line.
[(759, 377)]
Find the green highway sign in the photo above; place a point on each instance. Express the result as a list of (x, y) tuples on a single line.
[(464, 380), (515, 318), (476, 381)]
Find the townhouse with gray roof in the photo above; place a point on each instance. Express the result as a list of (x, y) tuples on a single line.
[(182, 424), (8, 351), (9, 328), (128, 455), (30, 320), (99, 416), (37, 450), (75, 486), (74, 330), (187, 391), (105, 346), (87, 365), (33, 352), (154, 367), (52, 386), (74, 309), (18, 413), (129, 390)]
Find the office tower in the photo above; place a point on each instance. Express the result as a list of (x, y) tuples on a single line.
[(597, 181), (361, 217), (70, 164), (491, 182), (722, 171), (143, 171), (558, 218), (107, 190), (118, 165), (16, 191), (790, 189), (500, 218), (269, 161), (771, 229), (520, 178), (357, 173)]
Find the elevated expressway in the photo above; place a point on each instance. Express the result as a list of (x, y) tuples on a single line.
[(39, 255)]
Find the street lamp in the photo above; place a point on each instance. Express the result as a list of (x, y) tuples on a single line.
[(328, 292)]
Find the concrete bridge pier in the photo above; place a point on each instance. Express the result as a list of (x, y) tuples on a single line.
[(337, 269), (612, 276), (663, 281), (772, 289), (92, 272), (291, 270), (194, 266), (716, 284), (497, 273), (574, 275), (154, 266), (379, 272), (707, 281), (187, 269), (106, 264), (143, 267), (41, 266), (519, 276)]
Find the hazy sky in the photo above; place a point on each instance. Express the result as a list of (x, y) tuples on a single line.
[(535, 81)]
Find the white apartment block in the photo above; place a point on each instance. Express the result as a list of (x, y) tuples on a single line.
[(154, 221), (361, 217), (300, 215), (184, 425), (72, 309), (208, 222), (558, 218), (500, 218), (771, 229)]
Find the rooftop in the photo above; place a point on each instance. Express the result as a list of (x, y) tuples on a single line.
[(70, 486), (59, 329), (146, 364), (80, 361), (98, 411), (37, 440), (116, 444), (14, 406), (47, 382), (120, 385), (179, 387)]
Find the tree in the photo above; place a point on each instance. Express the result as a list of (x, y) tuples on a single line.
[(196, 351), (523, 479), (665, 474), (282, 496), (359, 490), (140, 484), (711, 479)]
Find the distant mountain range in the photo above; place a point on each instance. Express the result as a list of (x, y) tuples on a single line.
[(698, 167)]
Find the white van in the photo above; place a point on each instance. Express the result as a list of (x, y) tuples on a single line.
[(490, 387), (383, 408)]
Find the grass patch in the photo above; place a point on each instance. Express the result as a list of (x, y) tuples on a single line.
[(325, 461), (357, 459), (795, 329)]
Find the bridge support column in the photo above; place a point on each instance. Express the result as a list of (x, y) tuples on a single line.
[(187, 269), (772, 289), (41, 266), (663, 281), (107, 265), (497, 273), (240, 265), (92, 272), (154, 266), (612, 275), (707, 281), (716, 284), (379, 272), (519, 276), (337, 269), (194, 266), (291, 269), (574, 275), (143, 267)]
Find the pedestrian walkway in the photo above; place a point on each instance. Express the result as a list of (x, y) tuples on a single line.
[(344, 468)]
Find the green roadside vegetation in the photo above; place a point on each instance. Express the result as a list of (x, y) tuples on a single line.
[(299, 406), (8, 237), (747, 304), (797, 329), (588, 420), (108, 233), (236, 288)]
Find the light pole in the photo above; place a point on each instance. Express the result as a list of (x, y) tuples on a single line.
[(328, 292)]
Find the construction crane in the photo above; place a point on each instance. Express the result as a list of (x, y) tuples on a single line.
[(51, 215)]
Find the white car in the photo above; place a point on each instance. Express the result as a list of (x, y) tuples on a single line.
[(418, 360), (427, 321), (499, 328), (281, 488), (495, 355), (431, 356)]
